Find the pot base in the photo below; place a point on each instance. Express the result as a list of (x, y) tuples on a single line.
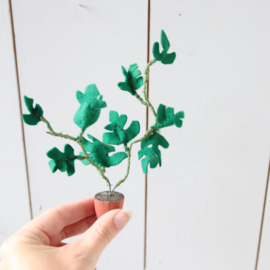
[(104, 203)]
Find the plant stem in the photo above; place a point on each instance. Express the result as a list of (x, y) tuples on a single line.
[(145, 82), (52, 132), (140, 99)]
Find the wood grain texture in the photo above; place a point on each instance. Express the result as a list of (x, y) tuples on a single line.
[(205, 203), (63, 47), (14, 200), (264, 251)]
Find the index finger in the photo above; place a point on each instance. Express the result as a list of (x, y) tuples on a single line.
[(55, 219)]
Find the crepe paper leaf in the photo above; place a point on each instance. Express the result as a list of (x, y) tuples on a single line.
[(62, 161), (91, 104), (35, 113), (99, 153), (89, 145), (153, 154), (133, 80), (164, 56), (119, 135), (166, 117)]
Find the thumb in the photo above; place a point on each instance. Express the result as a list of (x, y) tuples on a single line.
[(92, 243)]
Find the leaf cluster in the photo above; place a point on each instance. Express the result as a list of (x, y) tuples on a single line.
[(118, 134), (133, 80), (62, 161), (99, 153), (166, 117), (35, 113), (164, 57)]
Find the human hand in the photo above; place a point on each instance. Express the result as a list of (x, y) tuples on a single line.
[(38, 244)]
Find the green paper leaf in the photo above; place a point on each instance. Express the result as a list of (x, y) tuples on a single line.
[(62, 161), (164, 41), (35, 113), (99, 153), (168, 58), (133, 80), (164, 56), (91, 103), (166, 117), (153, 154), (119, 135), (151, 158), (156, 53)]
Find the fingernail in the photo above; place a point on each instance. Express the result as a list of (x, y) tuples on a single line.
[(122, 218)]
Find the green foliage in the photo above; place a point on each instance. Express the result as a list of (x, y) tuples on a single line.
[(99, 153), (62, 161), (166, 117), (119, 135), (133, 80), (91, 103), (35, 113), (164, 56), (153, 154)]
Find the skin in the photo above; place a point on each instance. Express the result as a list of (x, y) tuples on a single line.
[(38, 245)]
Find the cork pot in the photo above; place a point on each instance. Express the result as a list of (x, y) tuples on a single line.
[(105, 203)]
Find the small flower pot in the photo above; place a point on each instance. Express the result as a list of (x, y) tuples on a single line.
[(105, 203)]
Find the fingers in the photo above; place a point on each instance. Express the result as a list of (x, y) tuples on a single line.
[(95, 239), (59, 245), (78, 227), (73, 230), (54, 220)]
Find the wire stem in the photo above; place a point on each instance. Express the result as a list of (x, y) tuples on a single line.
[(145, 82)]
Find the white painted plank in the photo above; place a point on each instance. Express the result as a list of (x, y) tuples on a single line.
[(205, 203), (264, 255), (14, 200), (63, 47)]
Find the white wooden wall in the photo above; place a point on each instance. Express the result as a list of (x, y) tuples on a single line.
[(14, 199), (205, 204)]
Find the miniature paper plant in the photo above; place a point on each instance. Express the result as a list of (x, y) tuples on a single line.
[(153, 154), (119, 135), (102, 155)]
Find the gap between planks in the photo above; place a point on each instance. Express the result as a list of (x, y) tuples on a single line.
[(262, 220), (20, 105), (147, 125)]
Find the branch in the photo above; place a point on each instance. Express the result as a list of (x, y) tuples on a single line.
[(145, 82), (52, 132)]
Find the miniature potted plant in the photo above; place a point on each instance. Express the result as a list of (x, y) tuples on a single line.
[(96, 152)]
